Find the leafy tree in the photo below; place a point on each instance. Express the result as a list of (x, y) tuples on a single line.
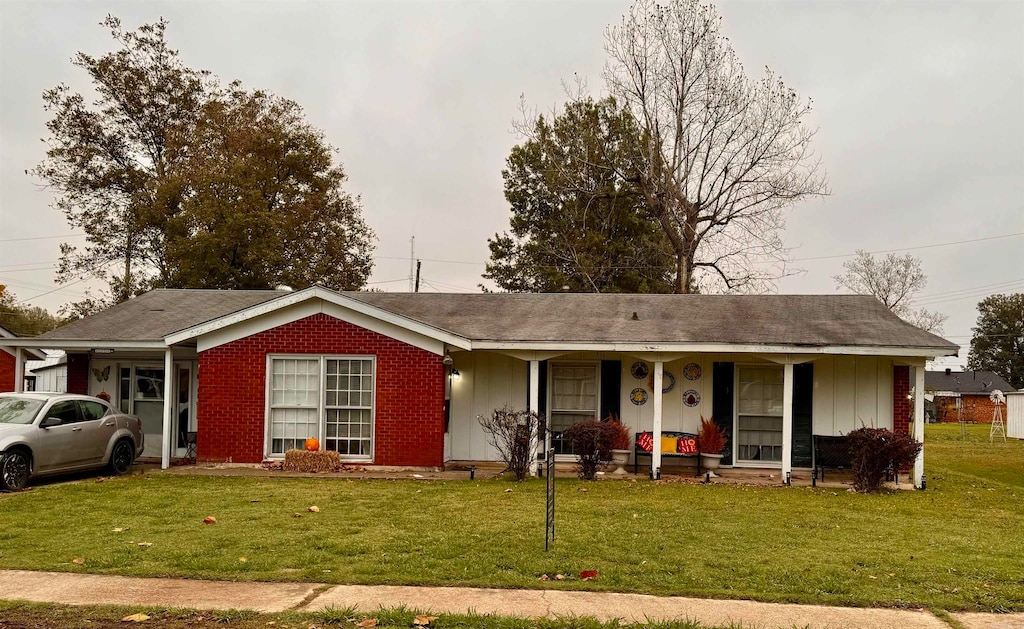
[(24, 320), (894, 281), (577, 225), (998, 341), (723, 154), (167, 174)]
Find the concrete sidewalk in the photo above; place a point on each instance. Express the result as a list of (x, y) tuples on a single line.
[(80, 589)]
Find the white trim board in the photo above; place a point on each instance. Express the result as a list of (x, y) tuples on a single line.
[(328, 296), (307, 308), (702, 348)]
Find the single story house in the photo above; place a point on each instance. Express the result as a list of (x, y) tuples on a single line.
[(964, 395), (398, 379), (50, 375), (12, 372)]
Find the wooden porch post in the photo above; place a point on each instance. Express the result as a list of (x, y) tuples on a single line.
[(165, 449), (534, 408), (659, 369), (19, 370), (919, 422), (787, 421)]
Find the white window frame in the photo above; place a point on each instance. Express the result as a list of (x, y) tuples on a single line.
[(321, 402), (735, 436)]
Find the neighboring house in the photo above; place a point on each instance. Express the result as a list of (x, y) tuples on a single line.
[(49, 375), (398, 379), (964, 394), (9, 361)]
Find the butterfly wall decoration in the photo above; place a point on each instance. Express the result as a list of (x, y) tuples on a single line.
[(102, 375)]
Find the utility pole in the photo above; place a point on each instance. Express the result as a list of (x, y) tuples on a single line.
[(412, 256), (418, 263)]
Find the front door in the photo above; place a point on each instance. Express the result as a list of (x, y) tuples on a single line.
[(148, 394), (184, 407)]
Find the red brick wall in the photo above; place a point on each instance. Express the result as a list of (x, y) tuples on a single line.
[(6, 372), (900, 404), (409, 419), (977, 409), (78, 373)]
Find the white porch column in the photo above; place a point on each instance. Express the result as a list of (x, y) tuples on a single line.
[(534, 408), (919, 422), (19, 370), (787, 420), (165, 450), (659, 371)]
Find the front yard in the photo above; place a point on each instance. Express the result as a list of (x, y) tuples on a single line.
[(957, 545)]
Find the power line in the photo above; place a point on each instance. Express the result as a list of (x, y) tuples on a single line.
[(939, 244), (43, 237)]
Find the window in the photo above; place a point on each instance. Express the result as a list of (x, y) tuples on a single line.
[(349, 406), (327, 398), (759, 394), (573, 398), (92, 411), (66, 412), (125, 390), (294, 402)]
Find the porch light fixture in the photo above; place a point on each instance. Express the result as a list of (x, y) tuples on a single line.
[(447, 360), (456, 376)]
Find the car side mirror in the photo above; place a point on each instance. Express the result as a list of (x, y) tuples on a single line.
[(50, 422)]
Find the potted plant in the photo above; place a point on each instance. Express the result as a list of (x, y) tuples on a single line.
[(712, 442), (618, 443)]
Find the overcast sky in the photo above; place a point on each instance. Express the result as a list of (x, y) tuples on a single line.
[(920, 107)]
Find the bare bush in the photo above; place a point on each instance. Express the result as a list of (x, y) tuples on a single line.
[(877, 450), (511, 433)]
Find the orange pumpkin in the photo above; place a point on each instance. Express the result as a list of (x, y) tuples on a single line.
[(312, 445)]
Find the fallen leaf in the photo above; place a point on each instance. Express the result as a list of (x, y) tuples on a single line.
[(296, 515), (79, 561), (581, 490), (369, 622), (423, 621), (120, 530), (587, 575), (871, 576), (508, 491), (544, 577), (559, 577), (140, 617), (243, 559), (145, 544), (314, 509), (209, 520)]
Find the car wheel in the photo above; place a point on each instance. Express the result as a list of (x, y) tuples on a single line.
[(122, 456), (15, 470)]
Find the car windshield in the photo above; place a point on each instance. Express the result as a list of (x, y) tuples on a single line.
[(18, 410)]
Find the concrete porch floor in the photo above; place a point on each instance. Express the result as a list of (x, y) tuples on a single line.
[(464, 470)]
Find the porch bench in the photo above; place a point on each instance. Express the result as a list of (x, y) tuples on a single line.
[(639, 451), (832, 452)]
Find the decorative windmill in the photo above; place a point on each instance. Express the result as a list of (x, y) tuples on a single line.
[(998, 401)]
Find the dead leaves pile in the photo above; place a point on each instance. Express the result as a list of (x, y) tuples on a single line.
[(586, 575), (140, 617)]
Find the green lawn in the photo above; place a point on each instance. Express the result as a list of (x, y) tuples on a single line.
[(958, 545)]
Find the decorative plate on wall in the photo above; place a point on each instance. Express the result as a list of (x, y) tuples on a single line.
[(691, 398), (668, 381), (691, 371), (639, 370), (638, 396)]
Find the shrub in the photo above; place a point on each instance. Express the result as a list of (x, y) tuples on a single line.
[(510, 431), (616, 434), (712, 437), (873, 451), (588, 439)]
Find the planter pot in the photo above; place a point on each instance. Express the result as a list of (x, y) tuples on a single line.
[(620, 458), (710, 461)]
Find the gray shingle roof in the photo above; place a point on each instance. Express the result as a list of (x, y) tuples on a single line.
[(980, 382), (798, 320), (809, 320), (153, 315)]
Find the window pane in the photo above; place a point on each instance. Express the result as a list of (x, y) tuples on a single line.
[(574, 387), (66, 412), (92, 411), (149, 383)]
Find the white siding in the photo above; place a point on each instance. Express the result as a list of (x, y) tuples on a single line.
[(1015, 415), (848, 390)]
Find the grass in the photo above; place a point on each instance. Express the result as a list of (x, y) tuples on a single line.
[(44, 616), (957, 546)]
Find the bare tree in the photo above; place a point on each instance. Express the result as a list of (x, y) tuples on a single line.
[(722, 154), (894, 281)]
